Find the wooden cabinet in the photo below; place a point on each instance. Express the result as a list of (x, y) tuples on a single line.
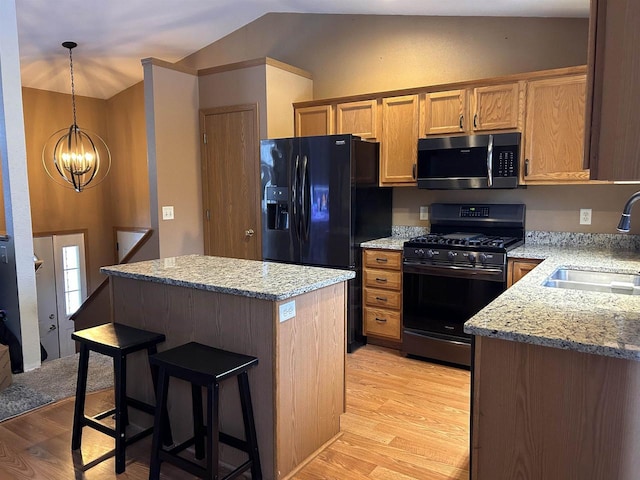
[(553, 145), (518, 268), (382, 296), (479, 109), (316, 120), (613, 136), (399, 140), (358, 118), (444, 112), (496, 107)]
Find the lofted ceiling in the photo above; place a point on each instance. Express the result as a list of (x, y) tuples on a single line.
[(114, 35)]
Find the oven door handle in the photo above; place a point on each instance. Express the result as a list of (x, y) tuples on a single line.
[(453, 271)]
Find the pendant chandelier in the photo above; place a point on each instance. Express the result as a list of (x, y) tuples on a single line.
[(74, 157)]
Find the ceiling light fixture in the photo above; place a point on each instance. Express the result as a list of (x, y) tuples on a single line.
[(73, 153)]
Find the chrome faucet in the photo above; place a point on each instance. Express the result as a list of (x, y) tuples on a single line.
[(625, 219)]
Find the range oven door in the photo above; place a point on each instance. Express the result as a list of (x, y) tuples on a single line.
[(438, 300)]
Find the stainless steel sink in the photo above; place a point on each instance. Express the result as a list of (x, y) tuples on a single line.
[(610, 282)]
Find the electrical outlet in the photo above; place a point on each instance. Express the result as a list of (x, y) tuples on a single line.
[(424, 212), (167, 213), (585, 216)]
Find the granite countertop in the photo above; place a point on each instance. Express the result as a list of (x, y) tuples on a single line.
[(249, 278), (599, 323), (387, 243)]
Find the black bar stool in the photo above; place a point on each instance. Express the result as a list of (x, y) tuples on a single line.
[(204, 366), (116, 341)]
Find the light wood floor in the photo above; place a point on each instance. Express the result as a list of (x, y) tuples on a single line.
[(406, 419)]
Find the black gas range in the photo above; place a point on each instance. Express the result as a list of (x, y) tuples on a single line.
[(453, 272)]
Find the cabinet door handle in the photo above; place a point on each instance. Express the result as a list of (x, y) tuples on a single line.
[(413, 171), (475, 121), (526, 167), (381, 320), (461, 120), (381, 280), (381, 260), (382, 299)]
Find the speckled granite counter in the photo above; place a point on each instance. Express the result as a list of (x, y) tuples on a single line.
[(388, 243), (249, 278), (599, 323)]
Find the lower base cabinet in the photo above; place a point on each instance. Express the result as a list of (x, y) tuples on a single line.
[(382, 297)]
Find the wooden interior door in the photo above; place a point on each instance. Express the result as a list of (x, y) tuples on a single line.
[(231, 182)]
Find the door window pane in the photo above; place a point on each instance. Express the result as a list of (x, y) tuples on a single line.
[(71, 272)]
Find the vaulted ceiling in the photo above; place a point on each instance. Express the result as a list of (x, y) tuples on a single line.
[(114, 35)]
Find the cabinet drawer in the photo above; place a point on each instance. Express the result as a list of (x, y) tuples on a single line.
[(382, 323), (382, 259), (388, 279), (382, 298)]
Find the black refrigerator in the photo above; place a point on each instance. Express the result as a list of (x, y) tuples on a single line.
[(320, 200)]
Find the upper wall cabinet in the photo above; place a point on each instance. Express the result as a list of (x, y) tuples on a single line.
[(317, 120), (444, 112), (553, 145), (496, 107), (399, 140), (613, 140), (358, 118), (479, 109)]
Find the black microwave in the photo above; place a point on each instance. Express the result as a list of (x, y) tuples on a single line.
[(473, 161)]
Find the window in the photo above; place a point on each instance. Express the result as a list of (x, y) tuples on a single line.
[(72, 279)]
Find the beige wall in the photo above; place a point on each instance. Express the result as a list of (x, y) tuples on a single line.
[(128, 143), (173, 142), (352, 54), (53, 207), (549, 207), (283, 89)]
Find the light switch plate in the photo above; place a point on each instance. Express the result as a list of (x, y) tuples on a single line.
[(167, 213), (424, 212)]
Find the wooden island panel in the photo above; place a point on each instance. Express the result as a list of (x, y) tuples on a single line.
[(547, 413), (298, 386)]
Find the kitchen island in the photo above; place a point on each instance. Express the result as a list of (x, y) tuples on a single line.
[(556, 375), (291, 317)]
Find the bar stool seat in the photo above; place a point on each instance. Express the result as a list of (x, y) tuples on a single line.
[(204, 366), (117, 341)]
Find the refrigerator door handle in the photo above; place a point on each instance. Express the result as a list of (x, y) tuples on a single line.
[(305, 199), (295, 201)]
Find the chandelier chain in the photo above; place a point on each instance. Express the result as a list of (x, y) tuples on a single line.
[(73, 89)]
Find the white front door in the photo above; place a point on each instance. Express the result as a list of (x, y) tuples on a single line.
[(68, 282), (47, 302)]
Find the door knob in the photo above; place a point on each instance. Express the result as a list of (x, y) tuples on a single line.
[(249, 233)]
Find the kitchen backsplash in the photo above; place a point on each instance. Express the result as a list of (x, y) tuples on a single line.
[(408, 231), (557, 239), (592, 240)]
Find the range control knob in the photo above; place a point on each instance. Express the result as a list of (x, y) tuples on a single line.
[(472, 258), (419, 252), (451, 255), (483, 258), (429, 254)]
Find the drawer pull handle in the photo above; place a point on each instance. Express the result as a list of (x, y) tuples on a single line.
[(382, 280), (382, 299), (381, 260), (381, 320)]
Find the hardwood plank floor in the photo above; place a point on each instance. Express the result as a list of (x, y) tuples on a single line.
[(406, 419)]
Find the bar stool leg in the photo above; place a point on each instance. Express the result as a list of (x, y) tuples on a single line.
[(198, 420), (213, 433), (158, 423), (167, 438), (120, 370), (81, 391), (249, 426)]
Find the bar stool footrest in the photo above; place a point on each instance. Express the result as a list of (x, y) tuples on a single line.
[(195, 469)]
